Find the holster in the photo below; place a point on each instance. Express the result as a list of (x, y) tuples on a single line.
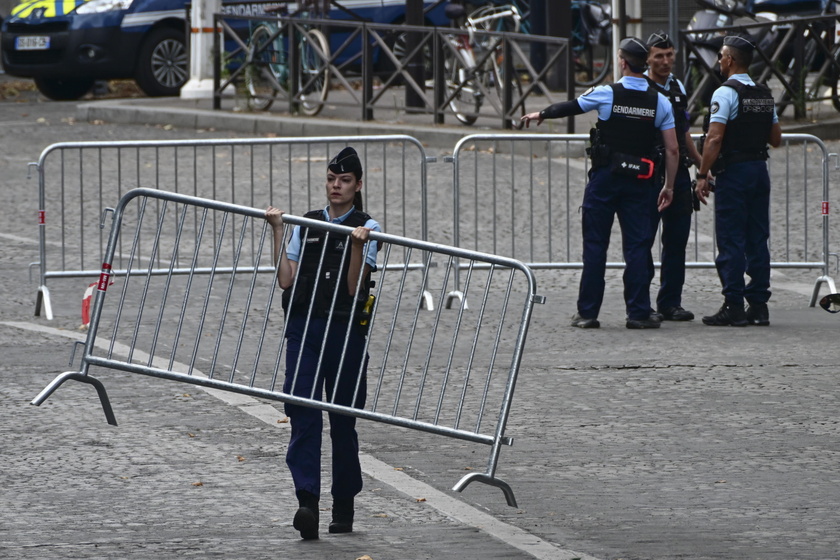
[(659, 166), (597, 151)]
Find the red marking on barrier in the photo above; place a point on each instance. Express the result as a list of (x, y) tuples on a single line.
[(825, 208), (42, 217), (104, 277), (86, 306), (86, 299)]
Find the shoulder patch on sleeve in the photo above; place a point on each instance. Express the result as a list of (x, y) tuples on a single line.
[(715, 107), (587, 92)]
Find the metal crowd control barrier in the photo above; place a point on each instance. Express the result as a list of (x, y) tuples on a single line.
[(76, 179), (206, 322), (518, 195)]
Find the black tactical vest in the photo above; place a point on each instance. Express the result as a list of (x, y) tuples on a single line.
[(631, 128), (331, 271), (679, 102), (748, 134)]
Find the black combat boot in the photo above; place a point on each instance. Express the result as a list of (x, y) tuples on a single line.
[(342, 515), (306, 517), (758, 314), (729, 314)]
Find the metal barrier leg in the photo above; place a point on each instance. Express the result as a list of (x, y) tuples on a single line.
[(43, 298), (428, 302), (487, 479), (832, 289), (455, 295), (100, 389)]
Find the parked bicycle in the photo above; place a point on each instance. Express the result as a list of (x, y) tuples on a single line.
[(591, 41), (474, 63), (268, 74), (591, 38)]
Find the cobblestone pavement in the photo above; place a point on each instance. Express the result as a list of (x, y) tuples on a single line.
[(688, 442)]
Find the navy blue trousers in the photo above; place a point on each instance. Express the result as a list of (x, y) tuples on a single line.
[(676, 227), (304, 453), (606, 196), (742, 227)]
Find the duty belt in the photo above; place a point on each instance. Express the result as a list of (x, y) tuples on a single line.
[(739, 157)]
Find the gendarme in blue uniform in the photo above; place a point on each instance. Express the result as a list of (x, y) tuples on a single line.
[(676, 219), (304, 345), (609, 194), (742, 189)]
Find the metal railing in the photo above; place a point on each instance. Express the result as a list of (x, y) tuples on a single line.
[(366, 66), (802, 69), (208, 321), (78, 180), (517, 195)]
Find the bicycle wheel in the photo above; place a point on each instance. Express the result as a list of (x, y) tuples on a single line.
[(314, 76), (833, 77), (592, 64), (466, 95), (267, 73)]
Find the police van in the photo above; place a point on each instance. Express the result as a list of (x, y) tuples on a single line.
[(65, 45)]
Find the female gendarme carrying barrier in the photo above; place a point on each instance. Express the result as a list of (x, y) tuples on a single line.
[(304, 342)]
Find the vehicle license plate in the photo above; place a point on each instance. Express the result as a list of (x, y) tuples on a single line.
[(32, 43)]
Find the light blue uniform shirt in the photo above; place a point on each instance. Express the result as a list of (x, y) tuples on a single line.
[(671, 78), (724, 105), (601, 98), (293, 250)]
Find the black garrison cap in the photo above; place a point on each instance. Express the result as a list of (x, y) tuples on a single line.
[(347, 161), (634, 47), (660, 40), (742, 42)]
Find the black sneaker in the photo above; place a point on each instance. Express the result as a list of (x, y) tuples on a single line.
[(727, 315), (649, 323), (758, 314), (676, 314), (656, 316), (581, 323)]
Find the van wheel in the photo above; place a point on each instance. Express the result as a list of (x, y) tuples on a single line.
[(69, 89), (163, 63)]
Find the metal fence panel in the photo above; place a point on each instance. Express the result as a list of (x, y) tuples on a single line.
[(370, 69), (78, 180), (207, 321), (518, 195)]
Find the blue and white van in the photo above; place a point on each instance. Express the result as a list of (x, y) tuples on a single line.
[(65, 45)]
